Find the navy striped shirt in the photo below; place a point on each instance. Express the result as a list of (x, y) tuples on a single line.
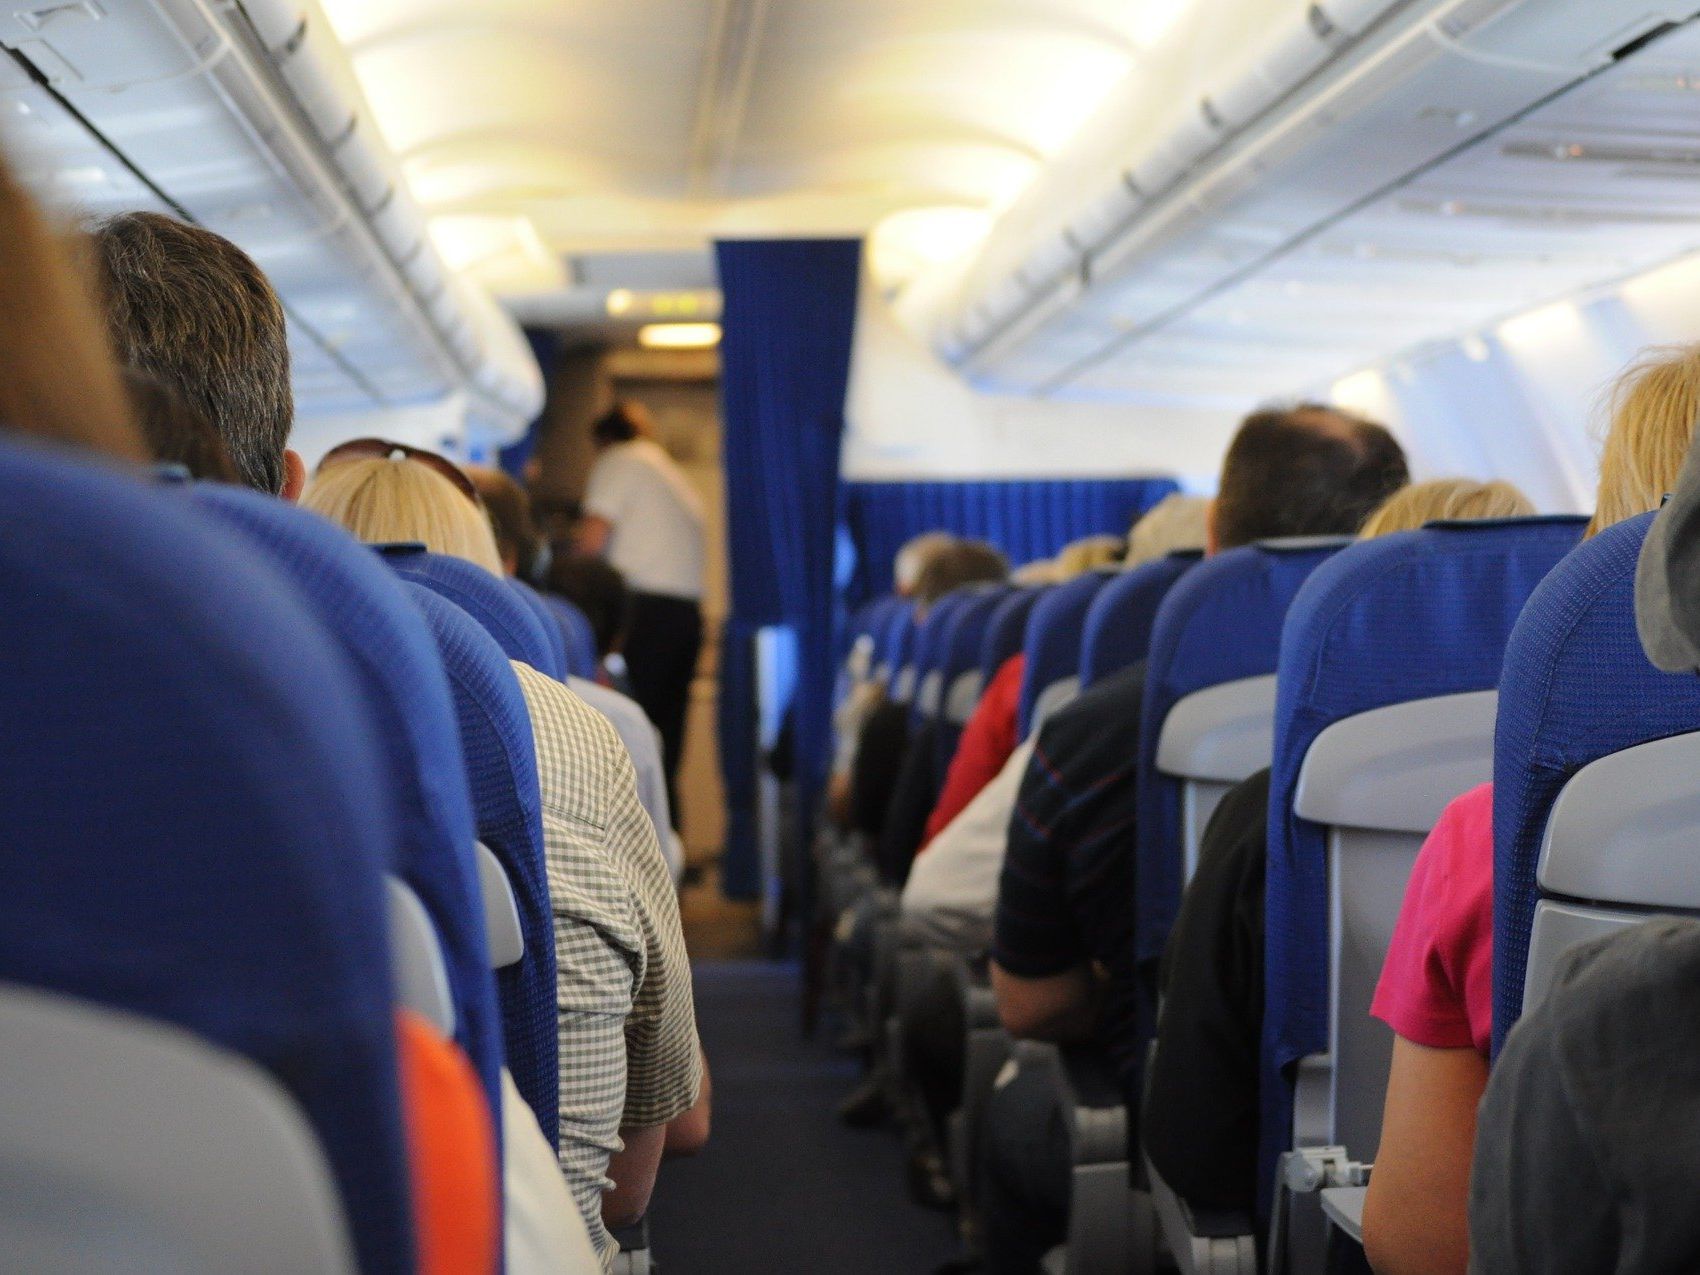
[(1065, 898)]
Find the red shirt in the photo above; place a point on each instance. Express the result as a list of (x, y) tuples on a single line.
[(986, 744), (1436, 986)]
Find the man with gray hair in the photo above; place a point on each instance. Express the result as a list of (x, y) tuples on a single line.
[(192, 309)]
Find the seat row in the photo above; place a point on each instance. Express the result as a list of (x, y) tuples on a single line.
[(1377, 681), (274, 802)]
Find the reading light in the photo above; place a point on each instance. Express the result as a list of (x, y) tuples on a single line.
[(620, 301), (679, 336)]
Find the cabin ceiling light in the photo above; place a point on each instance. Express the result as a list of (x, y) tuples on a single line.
[(679, 336)]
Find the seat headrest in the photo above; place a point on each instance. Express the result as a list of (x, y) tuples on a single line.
[(553, 634), (1053, 639), (1221, 622), (481, 595), (1117, 631)]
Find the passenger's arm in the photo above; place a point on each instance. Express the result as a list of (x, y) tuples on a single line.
[(592, 535), (1416, 1214), (688, 1134), (633, 1170), (1061, 1008)]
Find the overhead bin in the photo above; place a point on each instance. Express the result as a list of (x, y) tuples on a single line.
[(1351, 102), (247, 118)]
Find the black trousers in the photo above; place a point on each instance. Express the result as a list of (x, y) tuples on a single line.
[(662, 646)]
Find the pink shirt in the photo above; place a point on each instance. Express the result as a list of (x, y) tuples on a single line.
[(1436, 986)]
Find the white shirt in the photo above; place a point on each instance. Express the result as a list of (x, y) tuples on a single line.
[(643, 742), (656, 516), (545, 1233), (952, 890)]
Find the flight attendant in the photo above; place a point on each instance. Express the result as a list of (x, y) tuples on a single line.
[(641, 512)]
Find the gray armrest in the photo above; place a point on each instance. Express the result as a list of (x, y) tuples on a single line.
[(930, 695), (1344, 1206), (1626, 829), (1395, 768), (1224, 733), (421, 977), (501, 911)]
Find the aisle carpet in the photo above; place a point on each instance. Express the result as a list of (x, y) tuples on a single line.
[(784, 1187)]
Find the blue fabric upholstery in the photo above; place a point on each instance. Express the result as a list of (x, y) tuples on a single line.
[(1220, 623), (1006, 631), (501, 611), (582, 657), (1402, 618), (501, 767), (1577, 687), (1027, 520), (963, 644), (932, 642), (401, 676), (897, 639), (1117, 632), (197, 818), (1053, 639), (554, 635)]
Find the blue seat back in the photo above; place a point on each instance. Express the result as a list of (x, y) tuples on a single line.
[(1576, 687), (1220, 623), (963, 644), (932, 646), (501, 611), (1117, 630), (197, 816), (582, 657), (1006, 631), (1053, 639), (501, 767), (554, 635), (1406, 617), (895, 638), (401, 676)]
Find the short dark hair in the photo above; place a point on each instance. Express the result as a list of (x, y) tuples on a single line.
[(509, 507), (597, 589), (619, 424), (192, 309), (1309, 470), (175, 432), (963, 563)]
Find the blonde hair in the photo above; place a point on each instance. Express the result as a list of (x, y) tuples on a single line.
[(1090, 554), (1174, 523), (1446, 500), (1653, 406), (383, 499)]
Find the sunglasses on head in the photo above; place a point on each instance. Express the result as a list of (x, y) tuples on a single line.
[(382, 448)]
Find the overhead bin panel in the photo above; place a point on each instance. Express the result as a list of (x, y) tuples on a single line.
[(1408, 137), (245, 118)]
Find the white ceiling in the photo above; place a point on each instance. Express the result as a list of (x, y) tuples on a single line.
[(537, 130)]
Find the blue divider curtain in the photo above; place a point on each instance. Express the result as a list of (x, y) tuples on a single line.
[(788, 316), (1027, 520)]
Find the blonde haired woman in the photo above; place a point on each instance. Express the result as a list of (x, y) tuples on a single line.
[(387, 492), (1446, 500), (1173, 524), (1415, 1213)]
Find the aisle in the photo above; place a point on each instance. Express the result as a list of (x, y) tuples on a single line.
[(783, 1187)]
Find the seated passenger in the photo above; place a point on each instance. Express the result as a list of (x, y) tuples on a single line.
[(1212, 1017), (191, 310), (1436, 985), (629, 1058), (1062, 955), (509, 511)]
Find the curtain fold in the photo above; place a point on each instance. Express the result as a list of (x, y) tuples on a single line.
[(1027, 520), (788, 317)]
